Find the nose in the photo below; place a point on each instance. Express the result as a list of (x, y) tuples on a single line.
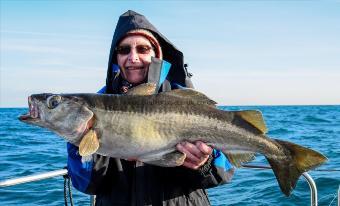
[(133, 56)]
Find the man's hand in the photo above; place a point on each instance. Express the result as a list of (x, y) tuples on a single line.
[(196, 154)]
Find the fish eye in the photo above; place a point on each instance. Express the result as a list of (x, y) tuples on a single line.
[(53, 101)]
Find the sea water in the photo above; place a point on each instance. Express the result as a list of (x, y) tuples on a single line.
[(27, 150)]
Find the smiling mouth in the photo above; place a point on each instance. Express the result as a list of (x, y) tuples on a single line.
[(33, 112), (134, 68)]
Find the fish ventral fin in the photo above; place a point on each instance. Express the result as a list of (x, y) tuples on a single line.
[(288, 170), (89, 144), (192, 95), (237, 159), (143, 89), (255, 118), (172, 159)]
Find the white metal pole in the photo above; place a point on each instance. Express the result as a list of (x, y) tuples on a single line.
[(32, 178), (313, 190)]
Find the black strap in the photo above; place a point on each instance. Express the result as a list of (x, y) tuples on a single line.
[(67, 186)]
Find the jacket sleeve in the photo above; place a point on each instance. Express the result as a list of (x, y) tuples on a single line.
[(217, 171), (79, 172), (88, 177)]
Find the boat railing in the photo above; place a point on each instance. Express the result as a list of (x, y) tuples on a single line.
[(63, 172), (32, 178), (309, 179), (41, 176)]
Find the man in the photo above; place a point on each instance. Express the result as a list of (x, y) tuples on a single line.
[(139, 53)]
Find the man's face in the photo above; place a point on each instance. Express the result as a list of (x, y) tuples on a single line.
[(134, 57)]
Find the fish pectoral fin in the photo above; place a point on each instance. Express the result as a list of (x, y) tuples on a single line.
[(255, 118), (89, 144), (172, 159), (143, 89), (237, 159)]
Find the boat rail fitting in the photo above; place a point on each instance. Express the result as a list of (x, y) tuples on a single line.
[(37, 177)]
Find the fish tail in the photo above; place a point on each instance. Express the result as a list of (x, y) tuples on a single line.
[(288, 170)]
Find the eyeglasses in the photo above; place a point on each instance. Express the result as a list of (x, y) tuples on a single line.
[(141, 49)]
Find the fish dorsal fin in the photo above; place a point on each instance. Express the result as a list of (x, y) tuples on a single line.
[(255, 118), (143, 89), (89, 144), (192, 95)]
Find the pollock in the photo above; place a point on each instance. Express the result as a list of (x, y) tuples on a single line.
[(146, 126)]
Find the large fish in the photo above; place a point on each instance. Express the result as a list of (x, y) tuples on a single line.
[(145, 126)]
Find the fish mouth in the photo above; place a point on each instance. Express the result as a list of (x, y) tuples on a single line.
[(33, 112)]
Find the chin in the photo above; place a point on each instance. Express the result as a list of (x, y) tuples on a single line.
[(136, 77), (136, 80)]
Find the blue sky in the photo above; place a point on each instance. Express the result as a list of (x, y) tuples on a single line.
[(240, 52)]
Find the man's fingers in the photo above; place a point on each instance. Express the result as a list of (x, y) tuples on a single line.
[(189, 155), (195, 165), (194, 150), (196, 154), (204, 148)]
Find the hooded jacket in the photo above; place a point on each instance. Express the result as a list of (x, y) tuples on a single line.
[(119, 182), (131, 20)]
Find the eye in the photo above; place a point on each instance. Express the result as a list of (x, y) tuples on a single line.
[(123, 50), (143, 49), (53, 101)]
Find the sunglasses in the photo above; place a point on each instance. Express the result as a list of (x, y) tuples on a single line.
[(141, 49)]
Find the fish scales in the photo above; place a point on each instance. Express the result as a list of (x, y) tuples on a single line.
[(183, 109), (187, 131)]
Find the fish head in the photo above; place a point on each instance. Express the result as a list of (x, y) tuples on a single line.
[(67, 115)]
